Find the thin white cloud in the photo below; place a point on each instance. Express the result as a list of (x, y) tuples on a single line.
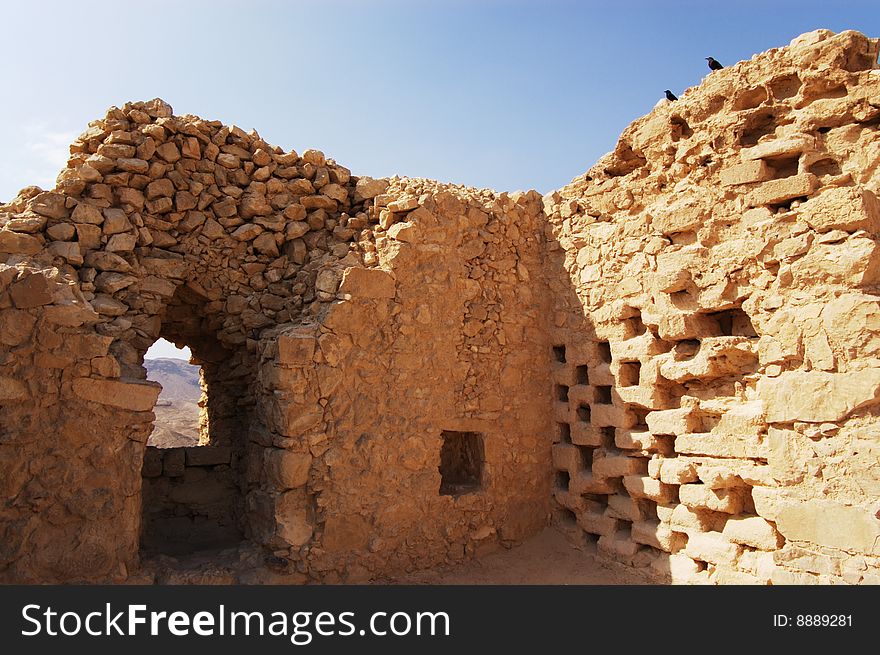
[(49, 149), (34, 153)]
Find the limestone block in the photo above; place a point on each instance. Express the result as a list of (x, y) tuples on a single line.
[(88, 214), (746, 173), (776, 191), (855, 262), (685, 519), (287, 469), (677, 471), (700, 496), (716, 357), (327, 281), (152, 463), (49, 204), (133, 395), (842, 208), (173, 462), (742, 418), (616, 466), (712, 547), (674, 421), (292, 518), (17, 243), (584, 482), (565, 457), (792, 145), (622, 506), (368, 188), (616, 545), (31, 290), (830, 523), (347, 534), (597, 523), (722, 445), (367, 283), (16, 326), (831, 398), (683, 214), (753, 531), (297, 347), (208, 455), (680, 568), (658, 535), (646, 441), (852, 321), (12, 389), (640, 486)]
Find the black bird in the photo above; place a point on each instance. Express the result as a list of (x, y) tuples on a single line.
[(714, 64), (670, 96)]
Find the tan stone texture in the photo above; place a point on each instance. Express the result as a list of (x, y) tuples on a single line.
[(675, 357)]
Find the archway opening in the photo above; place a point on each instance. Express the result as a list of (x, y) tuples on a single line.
[(177, 411), (193, 494)]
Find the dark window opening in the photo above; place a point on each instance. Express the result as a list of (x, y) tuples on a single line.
[(640, 418), (686, 348), (582, 374), (634, 325), (608, 435), (629, 374), (563, 432), (178, 408), (761, 123), (192, 489), (567, 517), (785, 87), (733, 322), (586, 457), (583, 412), (562, 480), (603, 395), (559, 354), (783, 167), (786, 205), (825, 166), (562, 393), (604, 351), (461, 463), (680, 128)]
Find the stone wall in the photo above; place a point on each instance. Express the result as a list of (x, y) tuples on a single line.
[(717, 280), (191, 500), (673, 358)]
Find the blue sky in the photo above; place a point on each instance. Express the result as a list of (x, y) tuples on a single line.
[(509, 95)]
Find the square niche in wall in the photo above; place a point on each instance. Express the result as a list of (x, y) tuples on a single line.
[(461, 463)]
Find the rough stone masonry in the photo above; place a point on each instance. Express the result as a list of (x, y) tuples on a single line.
[(675, 358)]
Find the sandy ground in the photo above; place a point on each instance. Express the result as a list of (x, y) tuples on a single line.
[(546, 558)]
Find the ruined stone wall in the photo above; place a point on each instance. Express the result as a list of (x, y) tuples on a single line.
[(388, 363), (717, 280), (209, 237), (191, 500), (441, 338)]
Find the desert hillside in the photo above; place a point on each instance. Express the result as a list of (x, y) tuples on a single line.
[(177, 410)]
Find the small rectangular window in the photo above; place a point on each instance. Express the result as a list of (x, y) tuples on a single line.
[(461, 463)]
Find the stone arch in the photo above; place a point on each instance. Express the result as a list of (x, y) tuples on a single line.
[(159, 225)]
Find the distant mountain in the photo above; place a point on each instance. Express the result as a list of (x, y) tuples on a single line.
[(177, 411), (179, 378)]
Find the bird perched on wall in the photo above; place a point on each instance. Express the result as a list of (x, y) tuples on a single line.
[(670, 96), (714, 64)]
